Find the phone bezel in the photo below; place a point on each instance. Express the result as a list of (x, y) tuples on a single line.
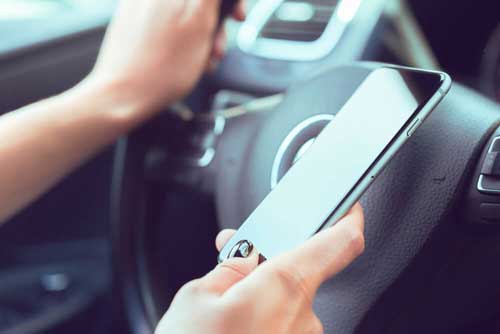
[(393, 146)]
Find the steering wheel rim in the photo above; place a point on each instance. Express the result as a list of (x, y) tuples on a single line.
[(436, 165)]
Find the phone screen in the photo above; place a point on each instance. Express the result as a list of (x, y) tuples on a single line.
[(383, 106)]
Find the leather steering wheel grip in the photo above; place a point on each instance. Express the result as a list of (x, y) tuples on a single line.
[(415, 237)]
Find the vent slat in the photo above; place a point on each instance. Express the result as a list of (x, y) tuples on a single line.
[(297, 30)]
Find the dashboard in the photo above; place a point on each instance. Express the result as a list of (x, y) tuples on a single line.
[(284, 41)]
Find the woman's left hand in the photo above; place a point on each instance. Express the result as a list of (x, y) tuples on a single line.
[(155, 51)]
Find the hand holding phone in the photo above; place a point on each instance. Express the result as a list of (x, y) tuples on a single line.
[(252, 299)]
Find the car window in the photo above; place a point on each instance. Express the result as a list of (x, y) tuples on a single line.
[(19, 10), (27, 22)]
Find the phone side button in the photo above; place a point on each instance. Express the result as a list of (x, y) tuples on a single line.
[(413, 127)]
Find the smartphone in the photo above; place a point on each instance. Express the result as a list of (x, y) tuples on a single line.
[(379, 117)]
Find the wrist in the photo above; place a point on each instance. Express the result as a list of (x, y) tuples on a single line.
[(117, 101)]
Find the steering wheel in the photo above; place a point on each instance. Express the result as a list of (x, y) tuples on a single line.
[(428, 264)]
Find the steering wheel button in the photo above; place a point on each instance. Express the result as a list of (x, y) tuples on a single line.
[(489, 178), (488, 184), (495, 145), (491, 164)]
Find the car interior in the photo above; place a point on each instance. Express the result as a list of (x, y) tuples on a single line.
[(106, 250)]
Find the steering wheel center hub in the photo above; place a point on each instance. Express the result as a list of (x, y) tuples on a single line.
[(296, 145)]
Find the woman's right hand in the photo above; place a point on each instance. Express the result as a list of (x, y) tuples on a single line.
[(239, 297)]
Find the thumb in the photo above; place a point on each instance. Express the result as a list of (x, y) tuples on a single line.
[(325, 254)]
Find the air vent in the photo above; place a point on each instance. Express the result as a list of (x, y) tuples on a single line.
[(297, 30), (296, 20)]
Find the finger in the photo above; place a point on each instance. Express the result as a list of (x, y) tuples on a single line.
[(324, 255), (217, 53), (239, 12), (223, 237), (219, 47), (228, 273)]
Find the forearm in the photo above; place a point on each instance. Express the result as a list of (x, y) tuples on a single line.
[(43, 142), (153, 54)]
